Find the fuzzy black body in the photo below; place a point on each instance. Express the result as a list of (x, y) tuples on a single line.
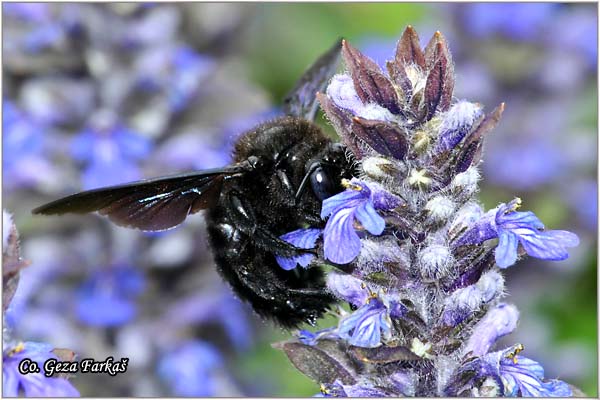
[(282, 171), (258, 206)]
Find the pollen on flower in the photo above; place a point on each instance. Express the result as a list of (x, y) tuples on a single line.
[(323, 389), (18, 348), (349, 185), (418, 177), (421, 140), (516, 204), (372, 296), (420, 349), (512, 355)]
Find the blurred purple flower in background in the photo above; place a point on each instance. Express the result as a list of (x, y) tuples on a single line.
[(14, 383), (190, 369), (518, 21), (35, 12), (41, 30), (110, 150), (24, 150), (527, 165), (163, 89), (109, 105), (175, 71), (107, 298), (213, 308)]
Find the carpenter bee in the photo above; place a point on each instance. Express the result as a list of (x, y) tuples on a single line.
[(282, 171)]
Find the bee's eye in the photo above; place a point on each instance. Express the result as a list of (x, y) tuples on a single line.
[(321, 184)]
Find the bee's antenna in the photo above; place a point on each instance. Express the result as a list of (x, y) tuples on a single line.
[(312, 169)]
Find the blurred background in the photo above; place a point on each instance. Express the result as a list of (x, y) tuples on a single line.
[(101, 94)]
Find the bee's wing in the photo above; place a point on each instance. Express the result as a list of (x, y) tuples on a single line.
[(301, 101), (150, 205)]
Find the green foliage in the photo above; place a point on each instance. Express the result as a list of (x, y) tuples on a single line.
[(278, 55)]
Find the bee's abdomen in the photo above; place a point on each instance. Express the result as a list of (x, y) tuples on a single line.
[(289, 297)]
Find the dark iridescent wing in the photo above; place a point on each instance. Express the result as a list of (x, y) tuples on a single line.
[(150, 205), (301, 101)]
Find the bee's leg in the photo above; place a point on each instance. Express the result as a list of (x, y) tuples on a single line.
[(246, 221)]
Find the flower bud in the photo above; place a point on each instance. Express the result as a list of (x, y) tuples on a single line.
[(469, 298), (457, 122), (489, 388), (378, 167), (376, 253), (341, 90), (466, 182), (434, 261), (440, 208), (490, 285)]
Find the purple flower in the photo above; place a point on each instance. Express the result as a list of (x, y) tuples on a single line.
[(149, 29), (498, 322), (347, 287), (524, 377), (367, 326), (304, 239), (581, 35), (111, 152), (190, 369), (214, 307), (360, 202), (512, 228), (175, 71), (192, 150), (30, 12), (61, 101), (311, 338), (526, 164), (16, 384), (24, 154), (378, 49), (38, 29), (107, 297), (521, 21)]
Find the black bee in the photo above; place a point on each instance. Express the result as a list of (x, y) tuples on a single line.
[(282, 171)]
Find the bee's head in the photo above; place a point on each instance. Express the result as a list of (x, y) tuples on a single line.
[(325, 173)]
